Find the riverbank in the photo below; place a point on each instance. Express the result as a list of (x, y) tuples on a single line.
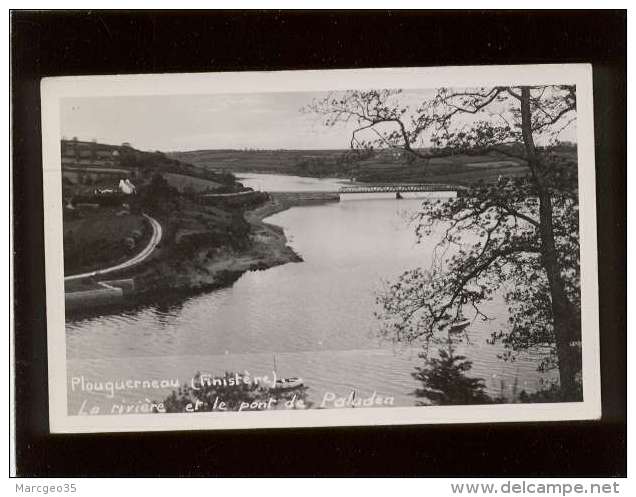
[(175, 272), (267, 248)]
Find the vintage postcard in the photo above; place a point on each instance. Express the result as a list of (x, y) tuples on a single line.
[(321, 248)]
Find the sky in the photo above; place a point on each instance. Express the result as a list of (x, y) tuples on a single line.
[(221, 121)]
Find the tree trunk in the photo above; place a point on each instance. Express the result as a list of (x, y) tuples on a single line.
[(566, 320), (565, 316)]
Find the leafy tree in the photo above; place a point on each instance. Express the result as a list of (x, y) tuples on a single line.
[(445, 380), (158, 196), (521, 230)]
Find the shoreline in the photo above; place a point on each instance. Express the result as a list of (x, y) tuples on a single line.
[(267, 248)]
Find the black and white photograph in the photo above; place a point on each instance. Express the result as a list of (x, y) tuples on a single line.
[(321, 248)]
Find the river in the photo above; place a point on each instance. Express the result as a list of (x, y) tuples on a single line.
[(314, 319)]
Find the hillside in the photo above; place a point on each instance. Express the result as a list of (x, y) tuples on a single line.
[(86, 165), (369, 166), (211, 232), (103, 226)]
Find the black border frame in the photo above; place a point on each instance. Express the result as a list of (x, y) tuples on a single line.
[(55, 43)]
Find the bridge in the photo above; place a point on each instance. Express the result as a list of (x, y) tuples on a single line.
[(306, 197), (398, 188)]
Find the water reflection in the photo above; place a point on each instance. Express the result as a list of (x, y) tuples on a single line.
[(280, 183)]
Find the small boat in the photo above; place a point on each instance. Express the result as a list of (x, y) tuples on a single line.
[(288, 383), (458, 325)]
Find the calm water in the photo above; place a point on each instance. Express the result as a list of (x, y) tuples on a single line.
[(283, 183), (314, 318)]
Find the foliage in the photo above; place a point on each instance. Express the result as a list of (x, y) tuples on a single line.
[(445, 382), (518, 236), (551, 394), (158, 196), (233, 394), (488, 240)]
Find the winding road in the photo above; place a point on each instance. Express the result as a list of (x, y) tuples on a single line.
[(157, 233)]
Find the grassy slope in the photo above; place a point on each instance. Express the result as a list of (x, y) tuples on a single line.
[(146, 163), (95, 238), (183, 182)]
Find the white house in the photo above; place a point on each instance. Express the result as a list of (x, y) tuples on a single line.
[(125, 186)]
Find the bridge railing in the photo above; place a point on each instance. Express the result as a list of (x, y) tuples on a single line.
[(431, 187)]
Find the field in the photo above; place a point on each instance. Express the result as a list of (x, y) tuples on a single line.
[(264, 161), (98, 237), (491, 164), (185, 183)]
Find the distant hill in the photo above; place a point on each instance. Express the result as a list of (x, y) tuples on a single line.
[(92, 163), (385, 165), (282, 161)]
